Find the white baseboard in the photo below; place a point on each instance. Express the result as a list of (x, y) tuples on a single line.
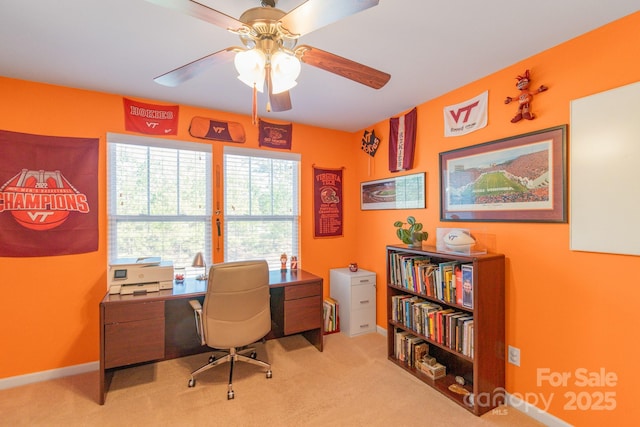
[(381, 330), (36, 377), (537, 414)]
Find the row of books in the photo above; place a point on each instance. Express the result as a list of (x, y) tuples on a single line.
[(449, 281), (444, 325), (413, 351), (409, 349), (331, 319)]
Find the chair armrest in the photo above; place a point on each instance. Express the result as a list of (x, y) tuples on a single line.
[(197, 312)]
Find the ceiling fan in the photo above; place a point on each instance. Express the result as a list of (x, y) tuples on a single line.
[(269, 53)]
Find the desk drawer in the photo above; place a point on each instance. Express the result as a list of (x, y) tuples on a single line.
[(133, 342), (302, 314), (302, 291), (129, 312)]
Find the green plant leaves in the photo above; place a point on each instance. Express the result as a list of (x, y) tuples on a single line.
[(411, 233)]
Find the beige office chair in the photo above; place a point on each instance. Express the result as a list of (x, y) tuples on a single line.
[(236, 314)]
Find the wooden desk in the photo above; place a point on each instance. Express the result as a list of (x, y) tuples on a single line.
[(160, 325)]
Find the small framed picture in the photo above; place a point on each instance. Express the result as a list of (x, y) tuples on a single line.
[(401, 192)]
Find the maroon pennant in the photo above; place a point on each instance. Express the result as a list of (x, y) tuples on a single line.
[(274, 135), (402, 141), (328, 204)]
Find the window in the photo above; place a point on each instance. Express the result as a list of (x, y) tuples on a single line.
[(260, 204), (159, 198)]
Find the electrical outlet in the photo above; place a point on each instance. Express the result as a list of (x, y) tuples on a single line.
[(514, 356)]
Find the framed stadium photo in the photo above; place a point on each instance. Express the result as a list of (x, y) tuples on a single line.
[(521, 178), (400, 192)]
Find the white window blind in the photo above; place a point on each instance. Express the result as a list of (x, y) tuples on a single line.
[(159, 198), (261, 198)]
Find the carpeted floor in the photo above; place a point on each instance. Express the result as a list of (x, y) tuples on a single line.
[(351, 383)]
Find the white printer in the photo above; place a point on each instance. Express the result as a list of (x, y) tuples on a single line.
[(134, 275)]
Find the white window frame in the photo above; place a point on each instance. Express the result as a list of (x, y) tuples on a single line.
[(113, 218), (273, 257)]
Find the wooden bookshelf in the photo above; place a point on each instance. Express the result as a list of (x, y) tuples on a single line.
[(484, 369)]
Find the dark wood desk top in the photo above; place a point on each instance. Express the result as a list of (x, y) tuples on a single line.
[(194, 288)]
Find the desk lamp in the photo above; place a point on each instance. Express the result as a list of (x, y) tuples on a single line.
[(199, 261)]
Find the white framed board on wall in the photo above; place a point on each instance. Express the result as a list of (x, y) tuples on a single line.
[(604, 147)]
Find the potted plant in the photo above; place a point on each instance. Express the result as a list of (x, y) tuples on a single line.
[(410, 232)]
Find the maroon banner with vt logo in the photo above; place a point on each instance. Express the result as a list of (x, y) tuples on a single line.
[(48, 195)]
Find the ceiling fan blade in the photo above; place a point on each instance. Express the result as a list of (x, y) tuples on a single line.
[(277, 101), (280, 101), (343, 67), (314, 14), (192, 69), (201, 11)]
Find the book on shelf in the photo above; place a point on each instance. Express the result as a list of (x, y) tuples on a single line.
[(439, 324), (447, 280), (457, 272), (330, 308), (428, 316), (399, 337), (466, 344), (462, 333), (412, 342), (467, 285), (452, 329), (426, 273)]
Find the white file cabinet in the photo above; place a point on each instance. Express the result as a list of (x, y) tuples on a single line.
[(356, 296)]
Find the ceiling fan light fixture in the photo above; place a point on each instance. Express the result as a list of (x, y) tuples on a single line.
[(281, 85), (250, 65), (285, 69), (269, 53)]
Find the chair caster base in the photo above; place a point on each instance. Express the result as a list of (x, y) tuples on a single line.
[(230, 395), (192, 383), (269, 374)]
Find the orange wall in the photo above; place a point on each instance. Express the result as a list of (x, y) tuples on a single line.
[(565, 310), (49, 306)]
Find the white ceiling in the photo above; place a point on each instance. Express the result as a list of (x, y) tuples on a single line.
[(428, 46)]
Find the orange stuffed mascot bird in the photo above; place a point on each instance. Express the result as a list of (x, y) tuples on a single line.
[(525, 98)]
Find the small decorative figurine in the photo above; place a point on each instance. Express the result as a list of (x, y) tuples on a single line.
[(179, 275), (283, 262), (294, 263), (525, 98), (353, 267)]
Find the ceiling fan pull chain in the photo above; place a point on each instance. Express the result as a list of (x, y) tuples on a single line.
[(268, 77), (254, 106)]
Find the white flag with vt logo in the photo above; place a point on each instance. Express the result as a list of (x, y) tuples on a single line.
[(466, 116)]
